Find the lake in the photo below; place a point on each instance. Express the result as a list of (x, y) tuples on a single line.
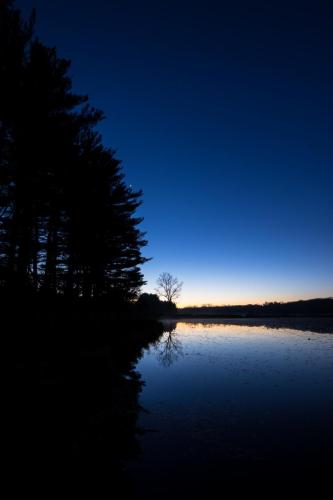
[(235, 403)]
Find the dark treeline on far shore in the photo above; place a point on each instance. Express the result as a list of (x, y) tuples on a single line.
[(302, 308)]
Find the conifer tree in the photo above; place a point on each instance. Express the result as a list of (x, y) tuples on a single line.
[(68, 219)]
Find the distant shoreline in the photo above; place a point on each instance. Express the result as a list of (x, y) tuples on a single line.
[(318, 308), (239, 316)]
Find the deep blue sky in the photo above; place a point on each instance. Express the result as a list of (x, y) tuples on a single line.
[(222, 112)]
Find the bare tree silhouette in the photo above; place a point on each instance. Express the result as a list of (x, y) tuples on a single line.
[(168, 287)]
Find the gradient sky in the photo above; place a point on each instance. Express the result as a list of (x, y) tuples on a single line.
[(222, 112)]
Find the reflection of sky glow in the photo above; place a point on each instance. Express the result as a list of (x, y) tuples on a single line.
[(238, 391)]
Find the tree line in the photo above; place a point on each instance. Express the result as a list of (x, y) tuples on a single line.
[(300, 308), (68, 222)]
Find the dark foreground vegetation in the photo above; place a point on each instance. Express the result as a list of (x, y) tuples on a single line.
[(70, 274), (68, 221), (300, 308)]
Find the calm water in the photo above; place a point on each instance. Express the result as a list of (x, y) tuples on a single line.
[(225, 401)]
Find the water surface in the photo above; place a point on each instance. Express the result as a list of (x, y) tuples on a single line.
[(224, 401)]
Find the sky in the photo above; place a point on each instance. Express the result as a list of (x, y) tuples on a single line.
[(222, 113)]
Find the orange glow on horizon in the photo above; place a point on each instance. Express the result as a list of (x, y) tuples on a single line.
[(247, 301), (238, 293)]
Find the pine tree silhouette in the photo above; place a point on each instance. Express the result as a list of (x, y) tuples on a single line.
[(68, 219)]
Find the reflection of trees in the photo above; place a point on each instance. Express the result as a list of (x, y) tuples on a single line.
[(84, 417), (169, 348)]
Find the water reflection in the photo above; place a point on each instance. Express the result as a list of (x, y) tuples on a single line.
[(246, 401), (169, 348), (317, 325)]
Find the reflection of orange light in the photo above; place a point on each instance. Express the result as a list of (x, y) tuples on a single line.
[(215, 327), (209, 324), (225, 328)]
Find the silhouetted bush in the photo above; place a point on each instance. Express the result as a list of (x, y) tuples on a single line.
[(150, 305)]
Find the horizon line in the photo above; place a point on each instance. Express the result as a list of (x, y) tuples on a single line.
[(253, 303)]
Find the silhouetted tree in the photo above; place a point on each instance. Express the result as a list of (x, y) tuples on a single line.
[(168, 287), (14, 38), (68, 221), (104, 242)]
